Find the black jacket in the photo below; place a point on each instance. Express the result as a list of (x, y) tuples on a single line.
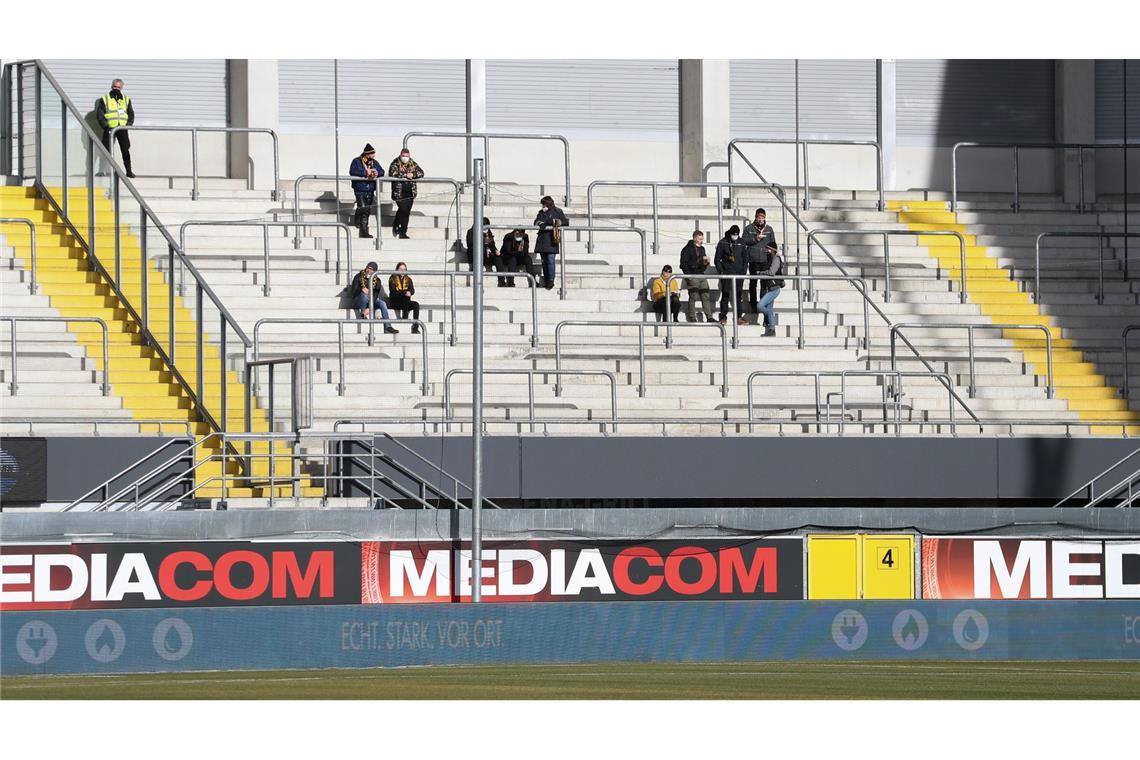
[(774, 266), (544, 243), (508, 248), (102, 117), (488, 247), (692, 258), (729, 258), (756, 241), (360, 283)]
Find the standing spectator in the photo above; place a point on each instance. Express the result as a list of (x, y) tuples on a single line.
[(400, 292), (550, 221), (665, 283), (490, 252), (729, 259), (116, 110), (694, 260), (515, 254), (756, 239), (404, 193), (364, 282), (774, 266), (365, 166)]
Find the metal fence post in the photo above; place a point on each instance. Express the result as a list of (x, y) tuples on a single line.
[(194, 163)]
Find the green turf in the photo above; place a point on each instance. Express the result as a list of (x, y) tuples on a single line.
[(754, 680)]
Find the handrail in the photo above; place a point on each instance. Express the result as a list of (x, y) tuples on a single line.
[(641, 388), (1090, 486), (301, 410), (969, 328), (1100, 236), (31, 422), (264, 225), (732, 146), (562, 241), (813, 236), (488, 136), (194, 148), (530, 372), (1124, 352), (298, 217), (105, 485), (1079, 147), (428, 462), (65, 320), (32, 230), (340, 323), (772, 187)]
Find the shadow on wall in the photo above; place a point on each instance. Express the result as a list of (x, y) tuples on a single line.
[(1049, 467)]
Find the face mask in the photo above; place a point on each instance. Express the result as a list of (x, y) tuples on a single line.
[(518, 238), (733, 238), (405, 159)]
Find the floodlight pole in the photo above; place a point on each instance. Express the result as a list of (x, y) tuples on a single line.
[(476, 254)]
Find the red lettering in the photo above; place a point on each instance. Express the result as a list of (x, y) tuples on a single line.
[(224, 568), (673, 570), (621, 571), (287, 571), (171, 589), (763, 564)]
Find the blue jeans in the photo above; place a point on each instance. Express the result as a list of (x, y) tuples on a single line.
[(548, 267), (766, 305), (361, 303)]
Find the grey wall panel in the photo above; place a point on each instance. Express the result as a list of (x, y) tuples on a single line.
[(940, 102), (392, 95), (1110, 100), (164, 91), (837, 98), (585, 98)]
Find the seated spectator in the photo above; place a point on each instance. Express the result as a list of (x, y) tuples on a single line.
[(401, 289), (730, 259), (366, 281), (548, 244), (771, 289), (661, 285), (490, 252), (515, 254), (694, 260)]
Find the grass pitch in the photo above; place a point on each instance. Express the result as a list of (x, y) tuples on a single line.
[(753, 680)]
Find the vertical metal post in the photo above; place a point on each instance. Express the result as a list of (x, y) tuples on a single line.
[(265, 248), (807, 178), (272, 403), (641, 357), (115, 206), (91, 202), (336, 150), (142, 280), (735, 314), (970, 341), (15, 385), (1081, 178), (1016, 180), (1124, 111), (222, 368), (194, 162), (63, 147), (656, 234), (39, 124), (20, 120), (477, 391), (1100, 267), (454, 307), (6, 120), (169, 301), (887, 264), (199, 330), (340, 357), (561, 262), (800, 342)]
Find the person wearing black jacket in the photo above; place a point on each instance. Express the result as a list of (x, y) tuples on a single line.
[(116, 110), (550, 221), (694, 260), (729, 259), (490, 252), (364, 189), (359, 292), (756, 239), (404, 193), (515, 254), (774, 266), (402, 289)]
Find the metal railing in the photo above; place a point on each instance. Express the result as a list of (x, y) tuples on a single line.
[(449, 411), (774, 188), (340, 323), (970, 328), (1100, 236), (31, 422), (265, 225), (1124, 354), (641, 326), (456, 186), (87, 240), (93, 320), (300, 390), (194, 194), (32, 233), (139, 485), (486, 137), (733, 147), (813, 237), (1017, 148), (1113, 491)]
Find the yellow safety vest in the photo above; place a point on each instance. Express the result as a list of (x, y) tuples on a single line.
[(115, 111)]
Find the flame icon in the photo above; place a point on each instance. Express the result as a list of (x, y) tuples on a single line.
[(105, 642), (910, 631)]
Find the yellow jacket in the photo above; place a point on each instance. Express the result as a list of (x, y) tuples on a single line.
[(657, 287)]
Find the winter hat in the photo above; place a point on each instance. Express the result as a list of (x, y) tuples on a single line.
[(368, 149), (371, 265)]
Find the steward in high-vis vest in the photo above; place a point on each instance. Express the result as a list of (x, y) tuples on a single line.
[(115, 110)]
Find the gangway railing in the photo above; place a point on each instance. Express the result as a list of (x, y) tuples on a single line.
[(813, 237), (530, 372), (95, 422), (300, 391), (486, 137), (1081, 148), (970, 328), (194, 194), (32, 233), (1124, 355), (1128, 484), (13, 321), (456, 186), (734, 147), (1100, 235)]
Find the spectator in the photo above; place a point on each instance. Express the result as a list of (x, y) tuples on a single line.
[(729, 259), (365, 166), (773, 266), (365, 281), (490, 252), (116, 110), (400, 292), (404, 193), (550, 221), (694, 260), (515, 254), (756, 239), (665, 283)]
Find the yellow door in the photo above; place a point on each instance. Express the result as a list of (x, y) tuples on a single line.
[(888, 567), (833, 567)]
